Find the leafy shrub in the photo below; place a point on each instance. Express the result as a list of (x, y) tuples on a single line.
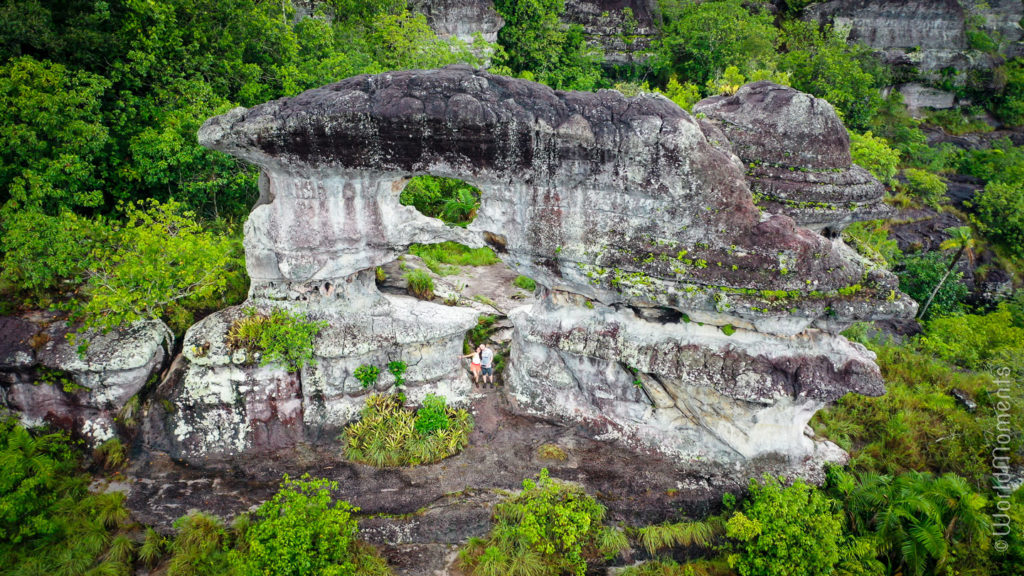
[(421, 285), (367, 375), (483, 329), (525, 282), (1002, 162), (301, 530), (158, 259), (432, 415), (999, 213), (1010, 105), (928, 187), (388, 434), (42, 254), (976, 341), (920, 273), (397, 369), (790, 531), (871, 239), (453, 201), (875, 155), (685, 95), (281, 337), (550, 528)]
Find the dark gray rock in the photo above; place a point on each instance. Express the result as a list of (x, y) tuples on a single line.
[(797, 155)]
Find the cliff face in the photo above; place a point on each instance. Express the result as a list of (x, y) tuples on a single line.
[(674, 314), (929, 35)]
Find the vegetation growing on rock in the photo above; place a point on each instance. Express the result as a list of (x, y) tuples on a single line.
[(389, 434)]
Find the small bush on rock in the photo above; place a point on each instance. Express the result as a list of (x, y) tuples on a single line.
[(875, 155), (525, 282), (389, 434), (926, 186), (367, 375), (281, 337), (421, 285), (550, 528)]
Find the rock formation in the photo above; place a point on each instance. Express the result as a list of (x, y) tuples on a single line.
[(675, 314), (461, 18), (928, 35), (45, 380), (797, 156)]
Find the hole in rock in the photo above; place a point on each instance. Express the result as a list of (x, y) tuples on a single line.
[(451, 200)]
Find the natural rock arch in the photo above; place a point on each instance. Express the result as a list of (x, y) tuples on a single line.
[(620, 208)]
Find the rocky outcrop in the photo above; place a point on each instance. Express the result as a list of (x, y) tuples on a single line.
[(624, 29), (927, 35), (44, 380), (674, 313), (462, 19), (797, 156)]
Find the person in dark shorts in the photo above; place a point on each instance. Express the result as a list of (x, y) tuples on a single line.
[(487, 364)]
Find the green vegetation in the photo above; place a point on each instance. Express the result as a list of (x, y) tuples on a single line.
[(301, 530), (537, 45), (525, 282), (551, 452), (921, 274), (421, 285), (367, 375), (389, 434), (875, 155), (793, 531), (483, 330), (550, 528), (925, 186), (442, 258), (451, 200), (871, 239), (281, 337)]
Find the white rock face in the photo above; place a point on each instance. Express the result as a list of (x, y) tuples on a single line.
[(674, 314), (53, 384)]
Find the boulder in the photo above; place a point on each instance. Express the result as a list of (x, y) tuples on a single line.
[(797, 156), (45, 380)]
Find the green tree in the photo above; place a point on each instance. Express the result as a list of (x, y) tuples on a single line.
[(52, 137), (822, 63), (919, 274), (159, 263), (999, 212), (701, 39), (791, 531), (539, 46), (961, 239)]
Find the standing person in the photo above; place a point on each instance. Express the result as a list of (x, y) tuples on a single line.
[(474, 364), (487, 364)]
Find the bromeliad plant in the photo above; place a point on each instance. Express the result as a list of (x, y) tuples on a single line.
[(389, 434)]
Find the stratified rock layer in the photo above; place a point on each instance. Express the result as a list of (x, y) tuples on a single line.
[(797, 155), (929, 35), (675, 314)]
